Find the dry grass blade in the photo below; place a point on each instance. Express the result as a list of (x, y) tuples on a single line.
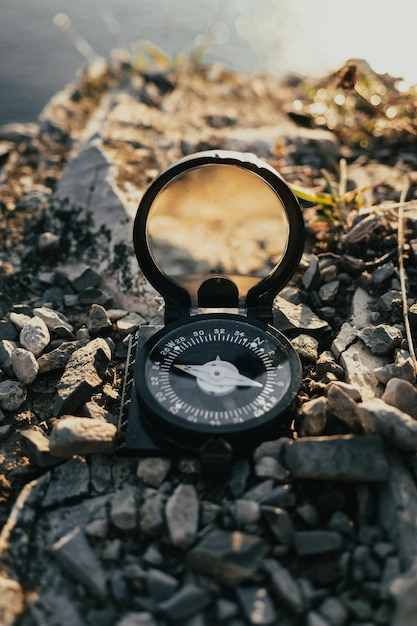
[(400, 244)]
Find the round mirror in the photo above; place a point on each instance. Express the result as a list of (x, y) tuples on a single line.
[(217, 219)]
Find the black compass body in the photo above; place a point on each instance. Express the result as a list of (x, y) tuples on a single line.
[(218, 234)]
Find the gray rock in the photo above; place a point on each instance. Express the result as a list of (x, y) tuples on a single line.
[(24, 365), (315, 542), (314, 619), (378, 417), (313, 414), (288, 316), (153, 470), (341, 522), (403, 367), (230, 557), (381, 339), (160, 585), (67, 481), (281, 496), (397, 511), (6, 349), (48, 241), (7, 331), (311, 277), (308, 514), (245, 512), (328, 291), (359, 365), (270, 448), (347, 335), (151, 514), (342, 406), (12, 395), (182, 510), (35, 336), (335, 611), (269, 467), (306, 347), (37, 448), (402, 395), (361, 308), (326, 364), (257, 605), (82, 435), (186, 602), (338, 457), (11, 600), (280, 523), (78, 559), (129, 323), (382, 273), (82, 277), (140, 618), (58, 358), (284, 585), (404, 592), (240, 474), (55, 321), (82, 375), (98, 320), (350, 390), (123, 509)]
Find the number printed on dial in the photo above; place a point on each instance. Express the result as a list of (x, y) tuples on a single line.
[(218, 372)]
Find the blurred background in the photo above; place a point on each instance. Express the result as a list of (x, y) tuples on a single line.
[(278, 36)]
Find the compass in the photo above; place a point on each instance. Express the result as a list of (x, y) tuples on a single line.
[(217, 234)]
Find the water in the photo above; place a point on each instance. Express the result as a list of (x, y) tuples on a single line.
[(279, 36)]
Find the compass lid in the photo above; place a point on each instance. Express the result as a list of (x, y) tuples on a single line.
[(218, 229)]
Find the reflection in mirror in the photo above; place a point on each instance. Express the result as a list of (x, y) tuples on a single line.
[(217, 218)]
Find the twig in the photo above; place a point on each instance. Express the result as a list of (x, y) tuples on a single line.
[(400, 243)]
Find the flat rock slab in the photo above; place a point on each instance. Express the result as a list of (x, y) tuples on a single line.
[(338, 457)]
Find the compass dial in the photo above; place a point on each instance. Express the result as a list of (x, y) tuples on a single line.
[(217, 375)]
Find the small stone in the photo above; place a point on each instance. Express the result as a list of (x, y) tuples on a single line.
[(123, 511), (342, 406), (55, 321), (38, 450), (12, 395), (186, 602), (230, 557), (85, 279), (326, 364), (281, 496), (68, 481), (308, 514), (129, 323), (338, 457), (160, 585), (5, 431), (381, 339), (245, 512), (360, 367), (153, 470), (269, 467), (7, 347), (347, 335), (284, 585), (83, 374), (98, 320), (93, 295), (306, 347), (77, 558), (139, 618), (47, 242), (280, 523), (340, 522), (35, 336), (311, 277), (328, 291), (82, 435), (335, 611), (313, 414), (402, 395), (24, 365), (257, 605), (314, 619), (11, 600), (288, 316), (19, 319), (378, 417), (314, 542), (181, 512), (239, 477), (151, 514), (7, 331), (403, 368), (58, 358)]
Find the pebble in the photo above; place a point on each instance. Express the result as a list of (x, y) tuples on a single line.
[(288, 316), (77, 557), (280, 523), (399, 428), (326, 364), (37, 447), (269, 467), (98, 320), (7, 347), (381, 339), (129, 323), (19, 319), (11, 600), (311, 278), (82, 435), (328, 291), (360, 369), (35, 336), (231, 557), (334, 610), (24, 365), (123, 510), (182, 511), (187, 601), (83, 374), (403, 367), (257, 605), (153, 470), (7, 330), (151, 514), (315, 542), (138, 618), (245, 512), (12, 395), (346, 336), (55, 321), (83, 277), (402, 395), (58, 358), (313, 414), (306, 347), (160, 585), (338, 457), (284, 585), (342, 406), (48, 241)]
